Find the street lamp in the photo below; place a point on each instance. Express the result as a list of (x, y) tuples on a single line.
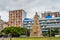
[(50, 33)]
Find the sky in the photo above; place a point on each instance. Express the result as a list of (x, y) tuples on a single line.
[(30, 6)]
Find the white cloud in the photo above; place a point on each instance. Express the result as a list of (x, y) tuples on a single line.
[(30, 6), (4, 15)]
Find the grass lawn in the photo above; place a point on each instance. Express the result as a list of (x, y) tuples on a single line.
[(47, 38)]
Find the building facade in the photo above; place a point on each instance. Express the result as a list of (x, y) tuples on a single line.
[(53, 14), (6, 24), (16, 17), (1, 24), (48, 22)]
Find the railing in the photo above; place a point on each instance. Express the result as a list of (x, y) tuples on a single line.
[(49, 21), (51, 24)]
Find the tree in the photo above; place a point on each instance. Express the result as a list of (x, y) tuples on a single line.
[(14, 30), (56, 31), (53, 31), (49, 32)]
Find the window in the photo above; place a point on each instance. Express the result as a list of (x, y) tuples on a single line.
[(48, 14), (29, 22)]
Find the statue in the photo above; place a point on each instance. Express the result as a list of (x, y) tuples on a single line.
[(36, 29)]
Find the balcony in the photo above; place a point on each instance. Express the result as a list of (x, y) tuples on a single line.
[(51, 24)]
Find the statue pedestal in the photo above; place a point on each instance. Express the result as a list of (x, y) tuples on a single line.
[(36, 31)]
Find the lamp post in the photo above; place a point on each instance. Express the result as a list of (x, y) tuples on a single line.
[(50, 33)]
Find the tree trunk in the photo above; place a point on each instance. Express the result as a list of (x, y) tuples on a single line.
[(2, 38), (10, 37)]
